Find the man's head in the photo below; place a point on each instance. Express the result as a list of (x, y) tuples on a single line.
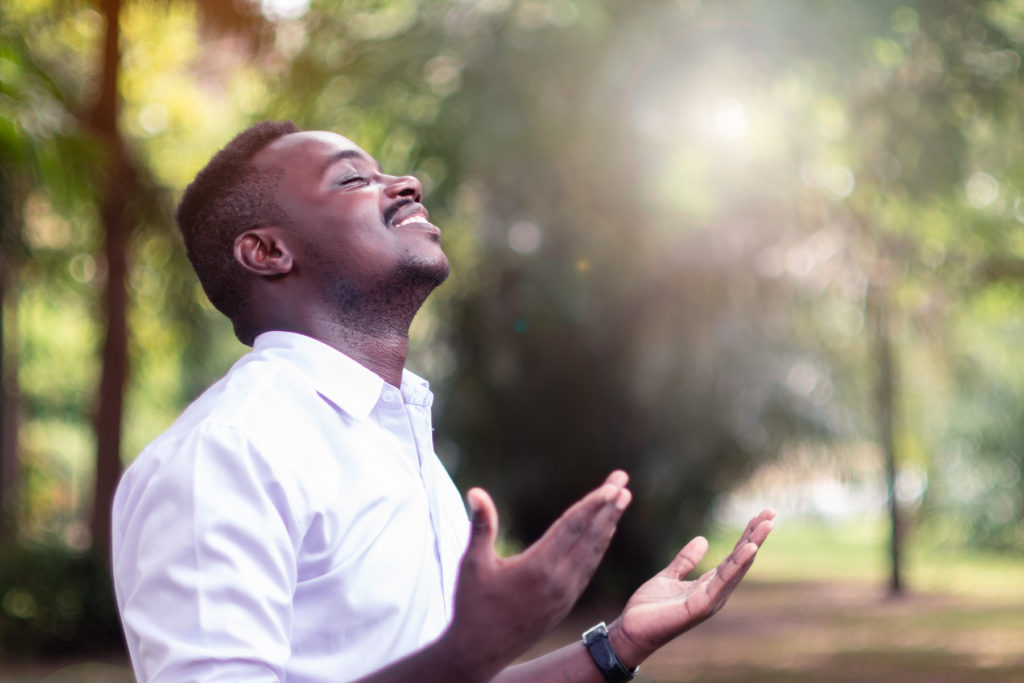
[(229, 195), (284, 225)]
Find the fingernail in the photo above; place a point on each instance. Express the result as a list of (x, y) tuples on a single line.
[(623, 499)]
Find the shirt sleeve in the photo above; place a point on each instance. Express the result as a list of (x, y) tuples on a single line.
[(205, 561)]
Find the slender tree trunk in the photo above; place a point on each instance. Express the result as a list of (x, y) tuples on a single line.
[(10, 466), (885, 407), (116, 224)]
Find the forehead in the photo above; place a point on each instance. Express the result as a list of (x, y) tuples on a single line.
[(308, 151)]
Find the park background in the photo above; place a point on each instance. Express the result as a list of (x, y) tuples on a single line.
[(759, 252)]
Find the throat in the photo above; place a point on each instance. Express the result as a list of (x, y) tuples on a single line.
[(384, 355)]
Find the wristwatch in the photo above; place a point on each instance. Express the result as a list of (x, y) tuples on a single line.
[(612, 668)]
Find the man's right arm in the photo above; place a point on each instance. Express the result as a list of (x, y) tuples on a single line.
[(504, 605), (204, 563)]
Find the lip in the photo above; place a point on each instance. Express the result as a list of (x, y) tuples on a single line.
[(420, 219)]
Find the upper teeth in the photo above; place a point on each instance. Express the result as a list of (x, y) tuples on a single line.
[(415, 218)]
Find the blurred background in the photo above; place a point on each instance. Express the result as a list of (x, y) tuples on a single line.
[(755, 252)]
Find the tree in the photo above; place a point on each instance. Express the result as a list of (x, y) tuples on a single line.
[(126, 187), (34, 151), (584, 328), (595, 216)]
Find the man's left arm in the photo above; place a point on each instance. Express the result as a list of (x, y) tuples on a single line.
[(663, 608), (503, 605)]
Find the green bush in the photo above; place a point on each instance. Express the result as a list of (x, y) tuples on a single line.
[(56, 601)]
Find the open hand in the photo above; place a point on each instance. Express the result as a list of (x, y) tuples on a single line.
[(668, 605), (503, 605)]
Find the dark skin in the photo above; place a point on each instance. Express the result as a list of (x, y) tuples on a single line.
[(332, 274), (351, 268)]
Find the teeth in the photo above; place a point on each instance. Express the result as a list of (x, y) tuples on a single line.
[(416, 218)]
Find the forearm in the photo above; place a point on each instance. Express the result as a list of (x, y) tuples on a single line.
[(570, 664), (446, 659)]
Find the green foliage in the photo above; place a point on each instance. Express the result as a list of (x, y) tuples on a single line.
[(592, 321), (55, 602), (52, 240), (664, 221)]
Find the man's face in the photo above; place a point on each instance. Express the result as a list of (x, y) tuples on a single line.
[(359, 228)]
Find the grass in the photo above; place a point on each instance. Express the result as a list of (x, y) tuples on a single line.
[(858, 552), (815, 607)]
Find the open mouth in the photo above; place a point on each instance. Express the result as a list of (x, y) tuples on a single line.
[(415, 217)]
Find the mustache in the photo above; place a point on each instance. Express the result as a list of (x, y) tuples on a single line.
[(389, 213)]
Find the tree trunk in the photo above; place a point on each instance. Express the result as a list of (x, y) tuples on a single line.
[(885, 407), (115, 198), (10, 466)]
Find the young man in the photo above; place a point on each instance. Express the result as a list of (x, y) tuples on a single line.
[(294, 523)]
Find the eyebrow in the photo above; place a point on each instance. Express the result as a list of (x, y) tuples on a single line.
[(347, 154)]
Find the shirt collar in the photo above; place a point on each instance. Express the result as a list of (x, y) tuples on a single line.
[(337, 377)]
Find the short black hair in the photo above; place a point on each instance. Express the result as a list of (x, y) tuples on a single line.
[(228, 197)]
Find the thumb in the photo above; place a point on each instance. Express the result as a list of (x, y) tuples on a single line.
[(688, 558), (483, 517)]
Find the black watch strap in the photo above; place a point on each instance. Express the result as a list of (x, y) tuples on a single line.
[(612, 668)]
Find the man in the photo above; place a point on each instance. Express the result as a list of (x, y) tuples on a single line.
[(294, 523)]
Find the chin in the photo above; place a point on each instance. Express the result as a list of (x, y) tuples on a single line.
[(438, 274), (428, 271), (415, 280)]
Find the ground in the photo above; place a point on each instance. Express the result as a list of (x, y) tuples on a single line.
[(842, 632)]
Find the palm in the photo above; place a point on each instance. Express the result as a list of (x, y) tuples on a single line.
[(662, 596), (668, 604)]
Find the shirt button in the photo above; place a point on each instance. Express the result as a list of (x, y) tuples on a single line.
[(390, 395)]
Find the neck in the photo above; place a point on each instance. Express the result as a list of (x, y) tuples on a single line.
[(381, 351), (371, 329), (367, 321)]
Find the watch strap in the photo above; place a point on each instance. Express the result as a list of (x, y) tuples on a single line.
[(600, 648)]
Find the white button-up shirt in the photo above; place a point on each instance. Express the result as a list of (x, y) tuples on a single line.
[(293, 524)]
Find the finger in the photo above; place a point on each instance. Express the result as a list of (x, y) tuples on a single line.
[(585, 553), (757, 535), (765, 515), (688, 558), (618, 478), (734, 567), (483, 517), (761, 531), (583, 517), (718, 584), (583, 556)]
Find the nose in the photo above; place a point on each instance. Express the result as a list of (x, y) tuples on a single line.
[(406, 186)]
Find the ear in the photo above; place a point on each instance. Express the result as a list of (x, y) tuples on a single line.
[(263, 252)]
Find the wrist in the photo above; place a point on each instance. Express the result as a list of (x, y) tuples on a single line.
[(628, 650), (466, 659)]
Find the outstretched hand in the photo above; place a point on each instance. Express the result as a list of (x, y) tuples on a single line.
[(668, 604), (503, 605)]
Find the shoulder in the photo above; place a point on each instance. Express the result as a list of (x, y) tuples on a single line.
[(231, 427)]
